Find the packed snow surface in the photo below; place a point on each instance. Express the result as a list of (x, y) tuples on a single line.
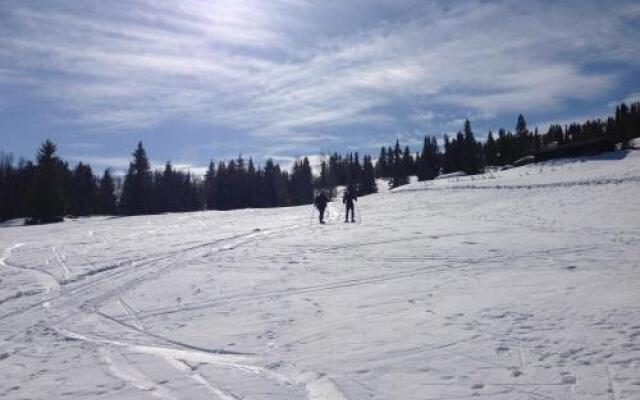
[(519, 284)]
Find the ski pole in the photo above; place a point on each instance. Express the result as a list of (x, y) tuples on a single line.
[(313, 211)]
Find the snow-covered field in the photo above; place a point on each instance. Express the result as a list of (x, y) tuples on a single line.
[(521, 284)]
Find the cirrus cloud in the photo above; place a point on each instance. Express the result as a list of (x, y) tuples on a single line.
[(294, 73)]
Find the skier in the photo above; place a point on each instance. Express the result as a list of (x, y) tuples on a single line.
[(321, 203), (348, 199)]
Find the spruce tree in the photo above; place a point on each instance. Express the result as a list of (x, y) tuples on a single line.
[(253, 181), (429, 161), (171, 189), (137, 188), (7, 187), (521, 126), (399, 176), (447, 159), (306, 178), (406, 162), (49, 198), (301, 182), (323, 182), (355, 170), (381, 164), (106, 194), (491, 150), (470, 158), (220, 187), (275, 185), (368, 177), (25, 182), (82, 198), (209, 187)]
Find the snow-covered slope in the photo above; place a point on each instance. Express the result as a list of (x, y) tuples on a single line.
[(584, 171), (526, 289)]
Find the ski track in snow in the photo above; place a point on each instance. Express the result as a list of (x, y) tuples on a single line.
[(66, 270), (525, 289), (318, 386), (46, 280), (129, 372), (125, 370)]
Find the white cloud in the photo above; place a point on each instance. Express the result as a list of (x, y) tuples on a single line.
[(630, 99), (286, 70), (100, 162), (119, 165)]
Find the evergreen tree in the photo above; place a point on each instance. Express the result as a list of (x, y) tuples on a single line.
[(323, 179), (279, 185), (521, 126), (49, 200), (491, 150), (355, 175), (42, 190), (83, 191), (106, 194), (8, 188), (168, 186), (275, 186), (241, 183), (368, 177), (458, 149), (25, 175), (220, 188), (471, 163), (503, 144), (209, 187), (137, 188), (398, 172), (406, 162), (382, 169), (333, 175), (429, 161), (253, 181), (16, 182), (448, 155), (301, 182)]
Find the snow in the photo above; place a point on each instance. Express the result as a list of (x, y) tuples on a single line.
[(608, 168), (516, 284), (450, 175)]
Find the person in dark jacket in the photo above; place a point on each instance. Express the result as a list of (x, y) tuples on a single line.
[(348, 199), (321, 204)]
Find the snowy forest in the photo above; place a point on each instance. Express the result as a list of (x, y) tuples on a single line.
[(48, 189)]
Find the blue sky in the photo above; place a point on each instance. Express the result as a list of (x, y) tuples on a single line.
[(284, 78)]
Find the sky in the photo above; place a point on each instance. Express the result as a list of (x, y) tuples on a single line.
[(195, 80)]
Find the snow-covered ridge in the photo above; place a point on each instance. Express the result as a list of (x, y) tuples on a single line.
[(609, 168)]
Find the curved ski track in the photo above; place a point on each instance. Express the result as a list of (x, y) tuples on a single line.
[(88, 292)]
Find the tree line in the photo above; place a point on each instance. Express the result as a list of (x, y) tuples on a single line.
[(47, 189), (464, 153), (347, 170)]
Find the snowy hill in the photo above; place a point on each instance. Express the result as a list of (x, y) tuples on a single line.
[(592, 170), (520, 284)]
